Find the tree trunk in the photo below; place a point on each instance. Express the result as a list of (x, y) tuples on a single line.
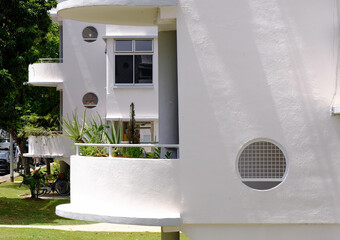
[(26, 165), (32, 193), (48, 166)]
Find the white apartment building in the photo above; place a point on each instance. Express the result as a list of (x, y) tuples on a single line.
[(257, 85), (102, 69)]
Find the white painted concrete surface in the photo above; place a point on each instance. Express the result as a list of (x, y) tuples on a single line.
[(124, 190), (249, 70), (258, 69), (49, 146), (46, 74)]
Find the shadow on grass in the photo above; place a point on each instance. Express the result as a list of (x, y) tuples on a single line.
[(16, 211)]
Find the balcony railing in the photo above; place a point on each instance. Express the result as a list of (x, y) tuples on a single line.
[(50, 60), (111, 146)]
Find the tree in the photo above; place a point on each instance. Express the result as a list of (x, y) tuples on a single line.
[(24, 37)]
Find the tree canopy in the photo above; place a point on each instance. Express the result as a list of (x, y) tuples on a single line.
[(26, 34)]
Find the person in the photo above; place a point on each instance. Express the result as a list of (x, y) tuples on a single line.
[(17, 156)]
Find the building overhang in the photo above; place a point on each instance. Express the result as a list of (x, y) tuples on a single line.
[(56, 84), (117, 12)]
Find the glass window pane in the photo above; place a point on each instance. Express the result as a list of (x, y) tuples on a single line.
[(124, 45), (143, 68), (143, 46), (124, 69)]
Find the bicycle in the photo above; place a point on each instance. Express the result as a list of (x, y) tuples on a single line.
[(61, 185)]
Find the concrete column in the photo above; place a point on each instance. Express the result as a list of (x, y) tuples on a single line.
[(169, 235), (168, 89)]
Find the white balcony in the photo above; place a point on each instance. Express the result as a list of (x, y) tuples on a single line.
[(47, 73), (118, 12), (49, 147), (124, 190)]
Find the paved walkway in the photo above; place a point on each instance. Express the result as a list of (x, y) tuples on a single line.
[(7, 178), (97, 227)]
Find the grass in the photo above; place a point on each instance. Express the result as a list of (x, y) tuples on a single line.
[(19, 211), (44, 234), (15, 210)]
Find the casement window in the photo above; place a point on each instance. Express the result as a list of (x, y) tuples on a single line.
[(133, 62)]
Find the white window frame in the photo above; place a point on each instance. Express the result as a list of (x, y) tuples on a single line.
[(133, 53)]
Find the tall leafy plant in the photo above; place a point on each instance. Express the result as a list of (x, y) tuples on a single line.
[(75, 129), (33, 181)]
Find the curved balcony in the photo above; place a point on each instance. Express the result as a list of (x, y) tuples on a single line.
[(46, 73), (118, 12), (53, 146), (124, 190)]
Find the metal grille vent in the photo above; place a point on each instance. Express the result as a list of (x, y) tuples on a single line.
[(90, 34), (262, 161)]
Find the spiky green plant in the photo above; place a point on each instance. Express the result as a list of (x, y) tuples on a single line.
[(114, 136), (75, 129)]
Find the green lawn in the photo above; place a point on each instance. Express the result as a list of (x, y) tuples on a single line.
[(16, 210), (43, 234)]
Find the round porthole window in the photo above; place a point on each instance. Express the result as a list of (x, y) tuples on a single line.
[(90, 34), (262, 164), (90, 100)]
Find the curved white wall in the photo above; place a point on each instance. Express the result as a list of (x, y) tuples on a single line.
[(84, 69), (45, 146), (258, 69), (125, 187)]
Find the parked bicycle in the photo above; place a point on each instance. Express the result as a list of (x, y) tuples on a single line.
[(61, 185)]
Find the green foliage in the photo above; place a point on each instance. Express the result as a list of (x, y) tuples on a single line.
[(156, 153), (33, 181), (135, 152), (114, 136), (26, 34), (98, 132), (93, 132), (47, 234), (16, 209), (168, 155), (133, 134), (75, 129), (35, 125)]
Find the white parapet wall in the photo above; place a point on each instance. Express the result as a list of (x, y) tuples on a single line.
[(49, 146), (124, 190)]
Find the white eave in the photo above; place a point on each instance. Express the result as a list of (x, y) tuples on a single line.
[(130, 37), (57, 84), (117, 12)]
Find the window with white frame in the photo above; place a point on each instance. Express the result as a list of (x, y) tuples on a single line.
[(133, 61)]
